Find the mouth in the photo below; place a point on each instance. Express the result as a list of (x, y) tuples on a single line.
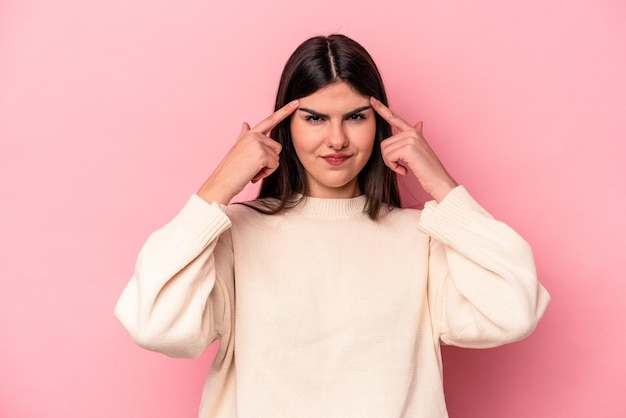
[(336, 159)]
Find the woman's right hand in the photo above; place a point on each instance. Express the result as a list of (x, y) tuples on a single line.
[(253, 157)]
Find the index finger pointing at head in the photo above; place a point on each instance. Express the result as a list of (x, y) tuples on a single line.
[(270, 122), (387, 114)]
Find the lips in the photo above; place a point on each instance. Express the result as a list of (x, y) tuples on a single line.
[(336, 159)]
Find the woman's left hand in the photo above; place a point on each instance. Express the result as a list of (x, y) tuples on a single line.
[(408, 148)]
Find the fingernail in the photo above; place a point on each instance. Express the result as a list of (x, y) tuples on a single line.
[(293, 103)]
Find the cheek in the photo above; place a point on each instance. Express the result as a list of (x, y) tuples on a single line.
[(363, 136), (301, 137)]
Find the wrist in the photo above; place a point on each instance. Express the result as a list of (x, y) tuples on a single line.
[(213, 192), (443, 189)]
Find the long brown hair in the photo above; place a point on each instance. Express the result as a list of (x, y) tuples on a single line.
[(316, 63)]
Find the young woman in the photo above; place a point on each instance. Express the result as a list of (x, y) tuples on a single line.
[(328, 298)]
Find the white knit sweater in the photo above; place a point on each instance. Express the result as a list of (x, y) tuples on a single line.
[(323, 312)]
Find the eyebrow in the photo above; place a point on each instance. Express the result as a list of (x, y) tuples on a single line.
[(321, 115)]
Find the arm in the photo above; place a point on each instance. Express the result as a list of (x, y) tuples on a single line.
[(180, 297), (483, 289)]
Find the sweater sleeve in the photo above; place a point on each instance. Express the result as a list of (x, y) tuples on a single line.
[(180, 297), (483, 288)]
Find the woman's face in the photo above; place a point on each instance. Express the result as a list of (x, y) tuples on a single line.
[(333, 134)]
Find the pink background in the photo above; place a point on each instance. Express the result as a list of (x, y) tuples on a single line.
[(112, 113)]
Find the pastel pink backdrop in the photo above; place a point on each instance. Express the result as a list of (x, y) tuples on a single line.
[(113, 113)]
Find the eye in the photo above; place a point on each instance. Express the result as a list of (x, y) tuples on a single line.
[(314, 119), (356, 116)]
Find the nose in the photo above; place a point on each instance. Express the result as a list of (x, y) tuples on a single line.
[(337, 137)]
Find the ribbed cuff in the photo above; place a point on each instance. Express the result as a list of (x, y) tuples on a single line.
[(456, 211), (201, 220)]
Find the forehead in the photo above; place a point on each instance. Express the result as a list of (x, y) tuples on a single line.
[(338, 97)]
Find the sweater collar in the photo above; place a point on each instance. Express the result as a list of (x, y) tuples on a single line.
[(323, 208)]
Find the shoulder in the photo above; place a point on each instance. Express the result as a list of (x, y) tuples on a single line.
[(244, 210), (255, 212), (400, 216)]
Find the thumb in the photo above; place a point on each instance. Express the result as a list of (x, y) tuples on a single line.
[(419, 126), (244, 128)]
